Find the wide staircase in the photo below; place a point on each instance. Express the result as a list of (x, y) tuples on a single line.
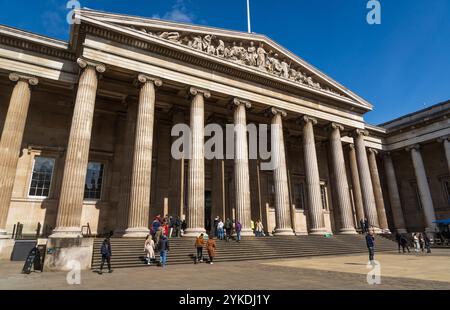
[(130, 252)]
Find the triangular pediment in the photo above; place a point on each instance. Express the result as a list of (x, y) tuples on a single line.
[(250, 51)]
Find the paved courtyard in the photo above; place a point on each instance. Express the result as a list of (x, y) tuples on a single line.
[(398, 271)]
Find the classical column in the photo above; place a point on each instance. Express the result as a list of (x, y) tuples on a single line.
[(365, 179), (196, 168), (378, 193), (312, 179), (68, 222), (446, 143), (282, 208), (139, 208), (123, 206), (11, 140), (357, 195), (394, 195), (340, 180), (241, 170), (424, 188)]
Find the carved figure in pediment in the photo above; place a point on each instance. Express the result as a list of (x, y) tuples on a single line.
[(243, 54), (252, 55), (208, 46), (171, 36), (234, 52), (300, 77), (311, 83), (220, 49), (275, 66), (196, 43), (285, 69), (261, 56)]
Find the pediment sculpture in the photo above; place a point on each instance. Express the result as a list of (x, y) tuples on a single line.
[(244, 53)]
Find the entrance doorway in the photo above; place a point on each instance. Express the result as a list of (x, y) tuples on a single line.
[(208, 211)]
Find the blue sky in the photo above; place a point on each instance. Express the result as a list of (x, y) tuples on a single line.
[(400, 66)]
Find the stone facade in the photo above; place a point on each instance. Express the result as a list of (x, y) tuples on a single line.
[(105, 105)]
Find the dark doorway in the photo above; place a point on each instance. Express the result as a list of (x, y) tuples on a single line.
[(208, 211)]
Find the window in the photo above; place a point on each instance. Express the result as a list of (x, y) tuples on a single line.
[(324, 196), (41, 177), (299, 195), (94, 178)]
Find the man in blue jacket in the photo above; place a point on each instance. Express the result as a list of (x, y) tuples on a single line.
[(106, 255), (370, 241)]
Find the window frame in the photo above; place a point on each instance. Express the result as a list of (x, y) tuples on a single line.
[(102, 183), (50, 189)]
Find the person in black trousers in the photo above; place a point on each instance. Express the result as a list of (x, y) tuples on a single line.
[(370, 242), (106, 255), (366, 225)]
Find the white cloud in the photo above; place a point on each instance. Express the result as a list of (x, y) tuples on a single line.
[(178, 13)]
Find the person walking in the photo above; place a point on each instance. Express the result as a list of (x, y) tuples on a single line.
[(183, 227), (259, 228), (149, 248), (427, 242), (106, 255), (362, 225), (163, 250), (404, 243), (370, 242), (416, 243), (366, 225), (220, 227), (216, 223), (398, 238), (421, 242), (155, 225), (238, 228), (199, 244), (211, 248), (228, 228), (171, 226), (177, 226)]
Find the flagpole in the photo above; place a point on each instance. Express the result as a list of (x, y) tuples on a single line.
[(248, 17)]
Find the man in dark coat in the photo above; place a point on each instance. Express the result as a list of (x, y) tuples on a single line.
[(163, 249), (106, 255), (366, 225), (370, 242)]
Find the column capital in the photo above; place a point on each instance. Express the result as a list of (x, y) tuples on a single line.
[(307, 119), (194, 91), (351, 146), (412, 147), (372, 151), (238, 101), (83, 63), (358, 132), (143, 79), (443, 139), (15, 77), (275, 111), (333, 126)]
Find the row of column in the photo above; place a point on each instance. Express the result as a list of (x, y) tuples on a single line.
[(135, 196)]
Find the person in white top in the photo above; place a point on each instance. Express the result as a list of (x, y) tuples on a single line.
[(149, 248), (220, 229)]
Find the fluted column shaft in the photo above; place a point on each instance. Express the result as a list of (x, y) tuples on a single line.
[(312, 178), (357, 195), (68, 222), (11, 141), (424, 188), (340, 180), (123, 206), (241, 170), (196, 168), (446, 143), (394, 195), (139, 208), (370, 208), (282, 209), (379, 200)]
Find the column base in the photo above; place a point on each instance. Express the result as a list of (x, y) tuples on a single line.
[(318, 231), (6, 248), (248, 232), (284, 232), (194, 232), (139, 232), (347, 231), (66, 232)]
